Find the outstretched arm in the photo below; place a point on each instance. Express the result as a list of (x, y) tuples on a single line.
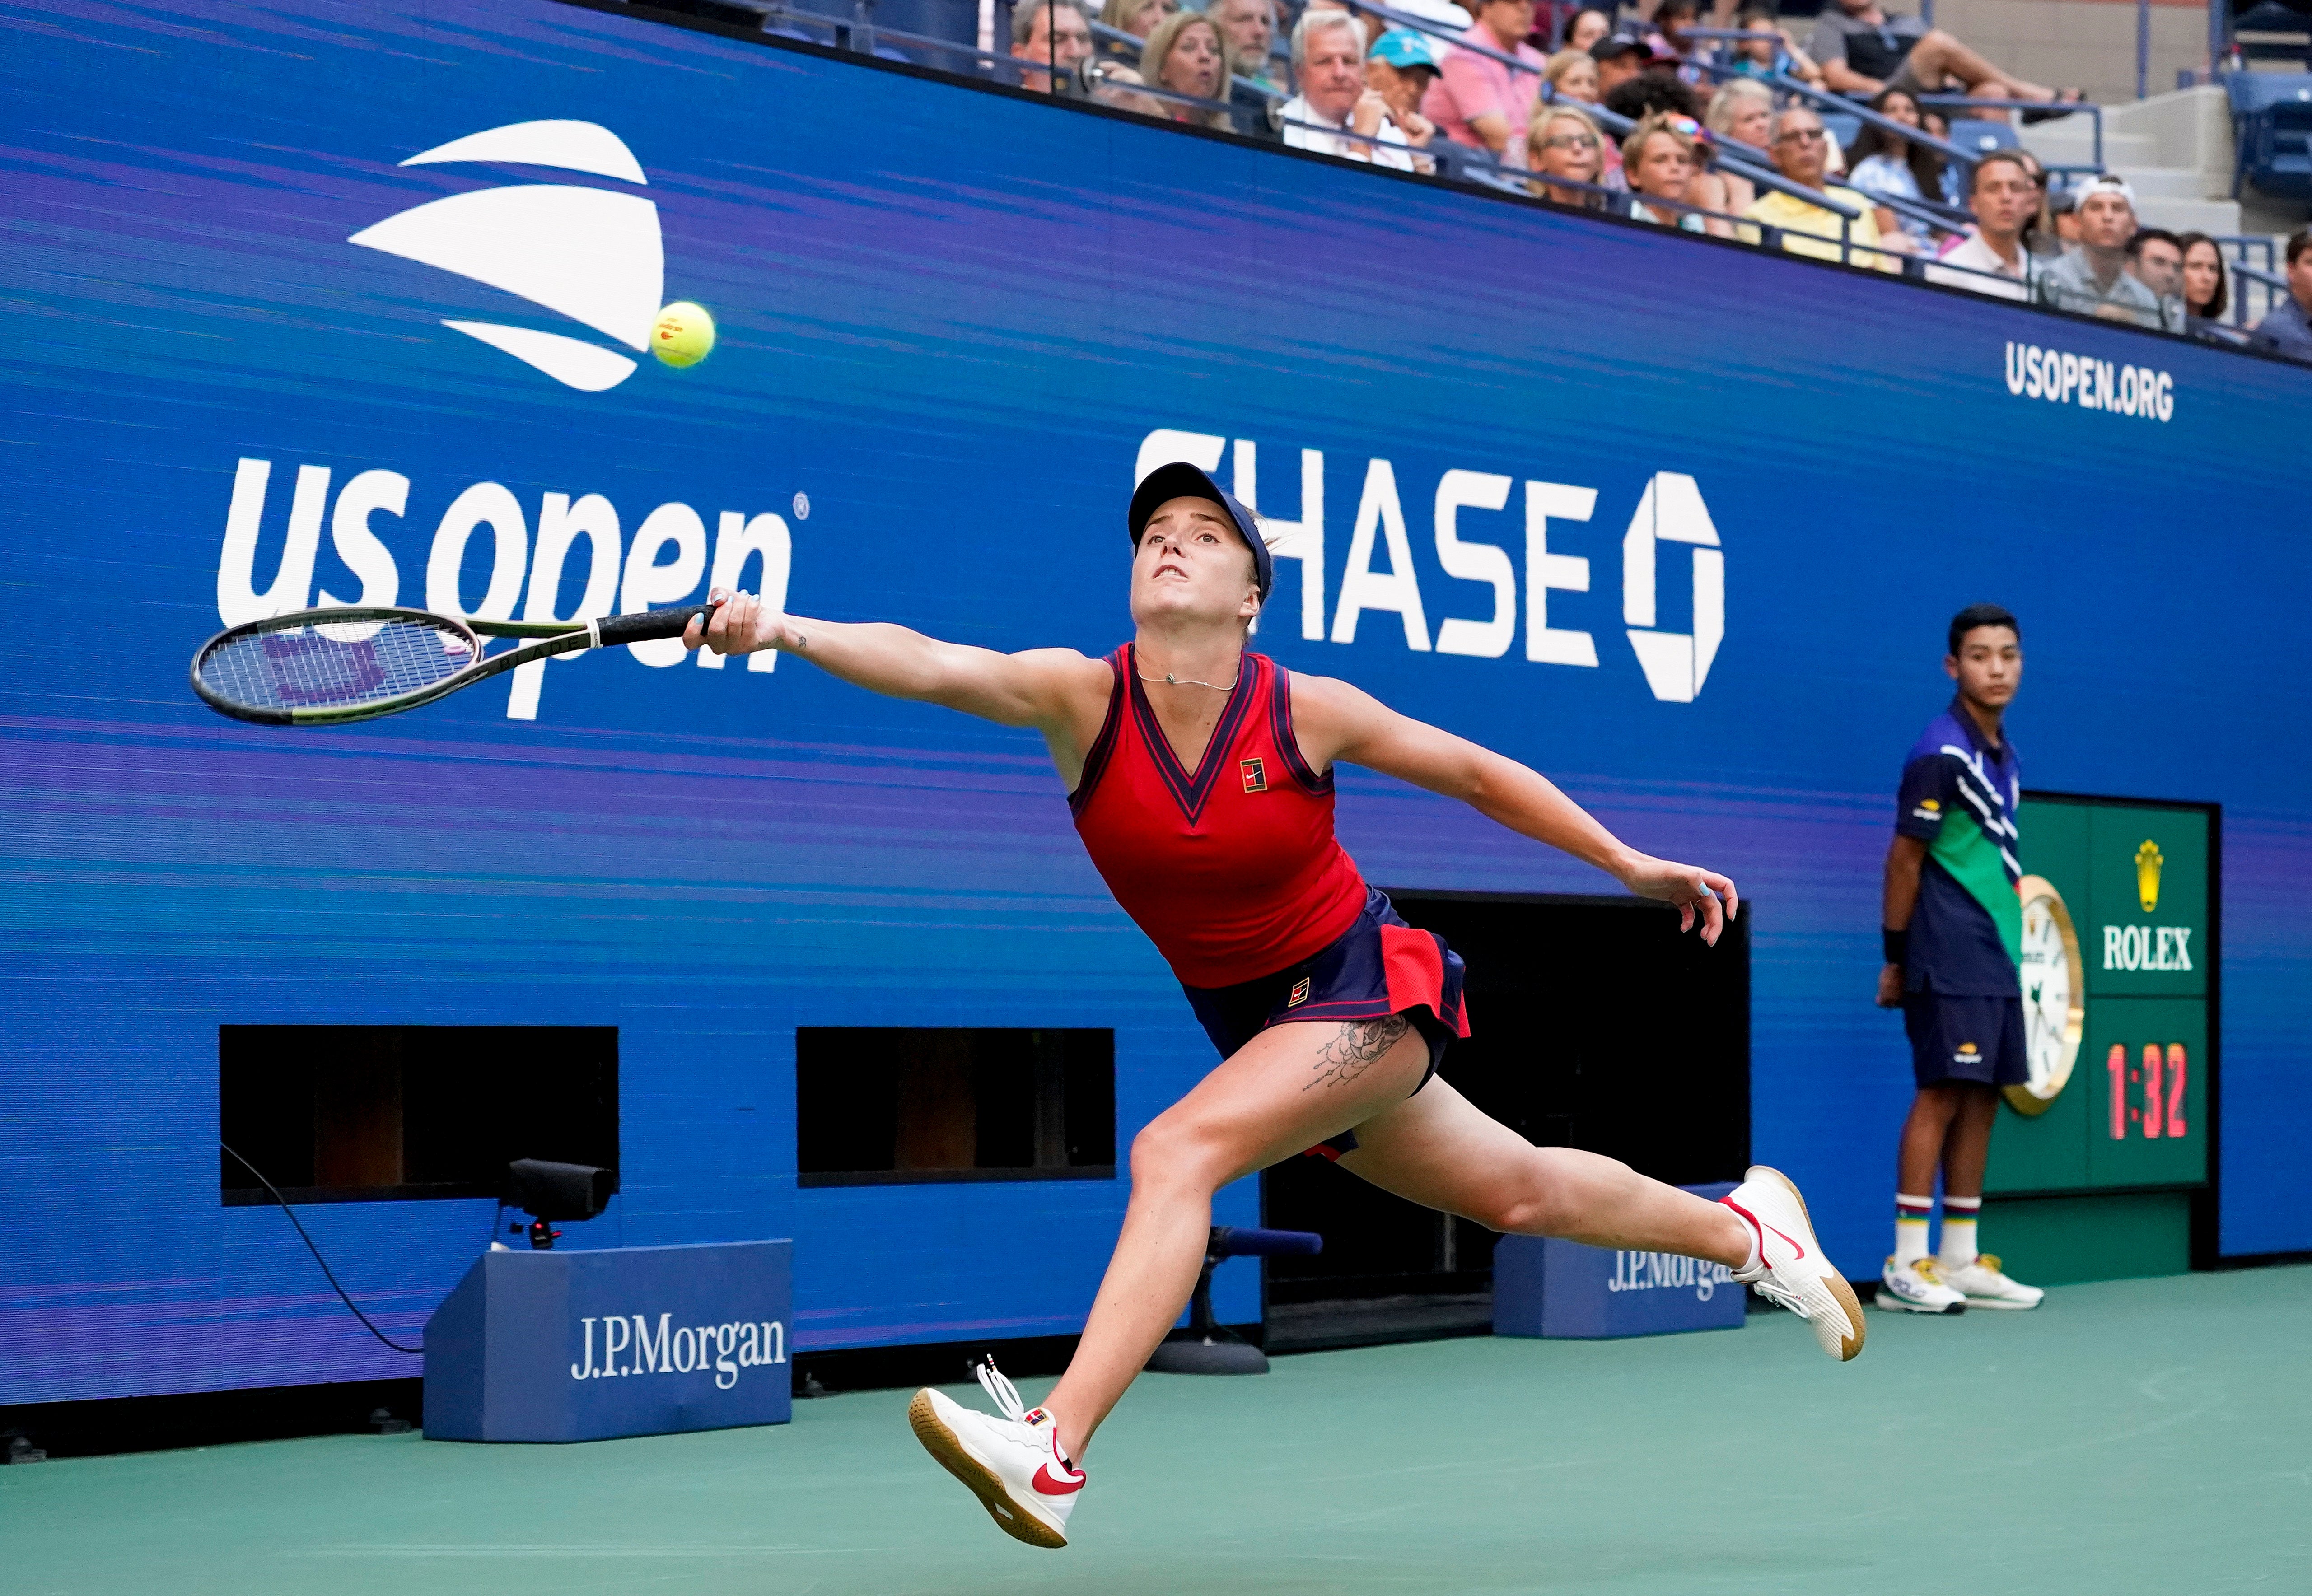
[(1051, 689), (1336, 721)]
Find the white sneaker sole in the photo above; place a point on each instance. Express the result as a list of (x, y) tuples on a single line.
[(2000, 1303), (1892, 1303), (946, 1448), (1834, 1285)]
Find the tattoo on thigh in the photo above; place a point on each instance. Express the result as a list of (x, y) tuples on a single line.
[(1359, 1046)]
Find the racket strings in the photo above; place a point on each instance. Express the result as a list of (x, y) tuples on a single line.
[(332, 666)]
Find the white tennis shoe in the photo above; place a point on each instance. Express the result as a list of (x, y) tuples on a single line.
[(1790, 1268), (1012, 1464), (1984, 1286), (1917, 1288)]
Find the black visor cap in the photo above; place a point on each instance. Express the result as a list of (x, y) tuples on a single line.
[(1181, 480)]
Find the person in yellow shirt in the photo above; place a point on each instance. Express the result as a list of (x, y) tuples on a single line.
[(1802, 149)]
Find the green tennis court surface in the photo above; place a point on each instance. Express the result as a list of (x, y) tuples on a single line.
[(2150, 1436)]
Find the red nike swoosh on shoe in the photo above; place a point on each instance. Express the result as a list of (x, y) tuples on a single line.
[(1762, 1227), (1049, 1485)]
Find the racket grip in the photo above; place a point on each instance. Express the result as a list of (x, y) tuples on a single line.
[(650, 624)]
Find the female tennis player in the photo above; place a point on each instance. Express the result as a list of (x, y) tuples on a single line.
[(1200, 777)]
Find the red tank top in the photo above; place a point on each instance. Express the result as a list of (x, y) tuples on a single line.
[(1232, 870)]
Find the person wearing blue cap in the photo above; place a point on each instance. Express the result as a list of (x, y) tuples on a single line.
[(1200, 777), (1400, 67)]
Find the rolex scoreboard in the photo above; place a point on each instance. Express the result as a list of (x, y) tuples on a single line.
[(2100, 1153)]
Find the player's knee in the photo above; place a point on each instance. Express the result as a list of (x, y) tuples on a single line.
[(1527, 1208), (1172, 1149)]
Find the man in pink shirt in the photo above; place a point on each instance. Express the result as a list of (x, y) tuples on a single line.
[(1483, 103)]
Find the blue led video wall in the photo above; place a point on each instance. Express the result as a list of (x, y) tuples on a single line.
[(329, 302)]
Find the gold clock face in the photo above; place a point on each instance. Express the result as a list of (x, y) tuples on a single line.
[(2054, 995)]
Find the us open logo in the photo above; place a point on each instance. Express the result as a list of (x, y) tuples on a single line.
[(592, 255)]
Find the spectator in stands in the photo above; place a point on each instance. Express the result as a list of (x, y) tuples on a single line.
[(1399, 68), (1740, 115), (2207, 294), (1571, 75), (1668, 40), (2287, 329), (1802, 148), (1115, 83), (1248, 28), (1773, 50), (2155, 258), (1646, 94), (1329, 49), (2039, 234), (2063, 209), (1138, 18), (1481, 101), (1651, 91), (2093, 279), (1187, 55), (1863, 48), (1045, 35), (1659, 159), (1619, 59), (2004, 199), (1564, 143), (1879, 163), (1585, 28)]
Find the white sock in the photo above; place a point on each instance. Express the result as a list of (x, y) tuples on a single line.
[(1960, 1215), (1750, 1267), (1911, 1227)]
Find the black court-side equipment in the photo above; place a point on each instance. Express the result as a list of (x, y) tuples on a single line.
[(328, 667), (1205, 1347)]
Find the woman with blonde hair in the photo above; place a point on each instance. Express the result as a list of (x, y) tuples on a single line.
[(1571, 75), (1139, 18), (1563, 141), (1187, 56), (1738, 118)]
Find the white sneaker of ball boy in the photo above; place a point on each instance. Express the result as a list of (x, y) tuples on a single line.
[(1011, 1462), (1941, 1285)]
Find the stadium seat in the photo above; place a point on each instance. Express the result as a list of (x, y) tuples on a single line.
[(1844, 126), (1983, 137), (2271, 131)]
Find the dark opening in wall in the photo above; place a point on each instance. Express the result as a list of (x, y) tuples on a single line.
[(386, 1113), (1594, 1024), (888, 1106)]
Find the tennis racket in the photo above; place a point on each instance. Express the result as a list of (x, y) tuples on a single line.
[(331, 667)]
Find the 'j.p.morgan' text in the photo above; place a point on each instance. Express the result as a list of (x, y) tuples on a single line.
[(2092, 384), (680, 1349), (1660, 1271)]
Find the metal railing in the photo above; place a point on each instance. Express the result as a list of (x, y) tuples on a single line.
[(1763, 177), (2087, 108)]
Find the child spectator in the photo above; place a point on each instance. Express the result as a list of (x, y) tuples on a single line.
[(1564, 143)]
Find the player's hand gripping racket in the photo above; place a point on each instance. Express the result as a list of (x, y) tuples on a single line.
[(327, 667)]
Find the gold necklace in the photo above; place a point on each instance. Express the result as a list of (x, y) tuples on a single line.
[(1171, 681)]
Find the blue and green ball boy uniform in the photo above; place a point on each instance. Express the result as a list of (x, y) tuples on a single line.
[(1962, 1004)]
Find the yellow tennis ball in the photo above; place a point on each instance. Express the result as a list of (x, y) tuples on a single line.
[(683, 335)]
